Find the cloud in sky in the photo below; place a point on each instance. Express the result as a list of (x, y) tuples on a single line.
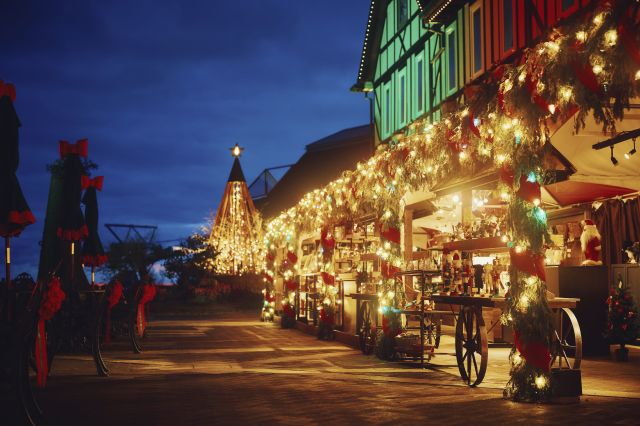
[(162, 88)]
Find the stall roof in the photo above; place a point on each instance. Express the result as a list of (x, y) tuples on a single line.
[(571, 192), (322, 162), (595, 166)]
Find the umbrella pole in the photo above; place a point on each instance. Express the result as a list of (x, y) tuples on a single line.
[(93, 275), (7, 271), (73, 258)]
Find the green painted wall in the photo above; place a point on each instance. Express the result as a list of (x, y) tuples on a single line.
[(404, 52)]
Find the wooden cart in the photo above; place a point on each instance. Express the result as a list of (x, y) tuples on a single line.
[(472, 353)]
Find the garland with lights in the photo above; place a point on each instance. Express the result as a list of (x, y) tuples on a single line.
[(588, 66), (287, 271), (269, 290), (328, 289)]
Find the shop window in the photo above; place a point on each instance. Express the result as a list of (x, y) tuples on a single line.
[(508, 27), (477, 39), (451, 59), (402, 97), (420, 85), (402, 12), (387, 109)]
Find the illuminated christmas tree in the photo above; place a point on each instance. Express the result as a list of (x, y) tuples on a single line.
[(236, 231)]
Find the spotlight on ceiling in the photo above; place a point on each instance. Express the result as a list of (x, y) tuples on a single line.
[(613, 159), (633, 150)]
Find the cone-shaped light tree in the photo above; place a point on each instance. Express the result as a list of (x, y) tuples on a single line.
[(236, 232)]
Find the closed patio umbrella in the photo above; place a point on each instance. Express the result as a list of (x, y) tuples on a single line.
[(15, 214), (92, 249)]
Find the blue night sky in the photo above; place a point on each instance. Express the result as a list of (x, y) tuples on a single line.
[(163, 88)]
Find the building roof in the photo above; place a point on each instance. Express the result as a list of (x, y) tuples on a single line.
[(322, 162), (430, 13)]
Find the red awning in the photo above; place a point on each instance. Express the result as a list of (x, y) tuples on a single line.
[(575, 192)]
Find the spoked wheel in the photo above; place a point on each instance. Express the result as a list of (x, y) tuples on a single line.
[(366, 332), (134, 336), (96, 339), (566, 341), (472, 350), (433, 324), (23, 352)]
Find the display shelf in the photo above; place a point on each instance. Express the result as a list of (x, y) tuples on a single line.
[(485, 245)]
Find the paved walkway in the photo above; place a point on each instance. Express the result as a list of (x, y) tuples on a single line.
[(241, 371)]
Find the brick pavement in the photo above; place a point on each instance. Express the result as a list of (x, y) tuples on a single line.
[(240, 371)]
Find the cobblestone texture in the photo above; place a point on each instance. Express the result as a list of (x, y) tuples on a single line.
[(240, 371)]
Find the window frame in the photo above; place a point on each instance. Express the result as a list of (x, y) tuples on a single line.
[(451, 30), (419, 81), (476, 7), (387, 109), (401, 97), (514, 35), (402, 21)]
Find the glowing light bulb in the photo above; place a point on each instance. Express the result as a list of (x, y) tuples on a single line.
[(566, 93), (541, 382), (598, 19), (597, 69), (581, 36), (552, 109), (536, 202), (611, 38)]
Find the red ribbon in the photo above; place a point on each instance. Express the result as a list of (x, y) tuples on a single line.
[(112, 300), (390, 233), (50, 304), (94, 261), (529, 263), (587, 77), (388, 330), (472, 126), (388, 270), (291, 285), (327, 318), (328, 242), (288, 310), (627, 32), (537, 99), (148, 294), (535, 352), (96, 182), (80, 148), (328, 278), (74, 234), (292, 258), (16, 222), (8, 89)]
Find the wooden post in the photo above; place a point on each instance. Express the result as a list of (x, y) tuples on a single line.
[(407, 233)]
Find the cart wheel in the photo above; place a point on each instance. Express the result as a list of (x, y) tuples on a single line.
[(366, 333), (471, 343), (96, 338), (433, 330), (566, 341)]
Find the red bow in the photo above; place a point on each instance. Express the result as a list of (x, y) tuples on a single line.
[(80, 148), (96, 182), (9, 90)]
